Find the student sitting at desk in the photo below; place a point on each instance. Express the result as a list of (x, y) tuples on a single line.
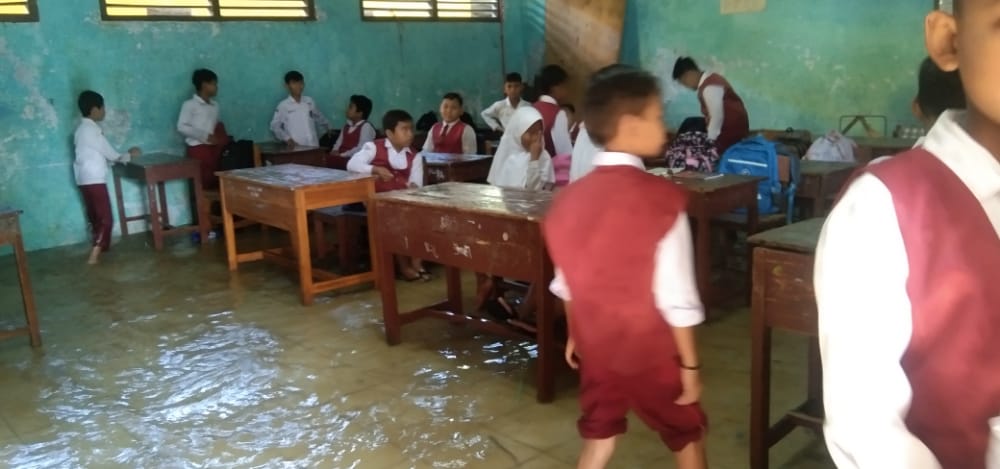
[(521, 161), (296, 118), (497, 115), (395, 167), (720, 105), (553, 83), (357, 132), (199, 123), (90, 168), (451, 135)]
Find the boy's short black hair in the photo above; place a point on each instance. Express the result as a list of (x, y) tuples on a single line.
[(618, 95), (513, 78), (610, 70), (89, 100), (550, 77), (569, 107), (454, 97), (202, 76), (684, 65), (938, 90), (294, 76), (393, 118), (363, 104)]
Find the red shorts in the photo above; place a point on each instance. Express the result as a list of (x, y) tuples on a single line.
[(605, 399)]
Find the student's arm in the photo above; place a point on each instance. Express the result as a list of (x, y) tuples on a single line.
[(469, 141), (361, 162), (318, 117), (560, 135), (515, 171), (429, 142), (95, 139), (716, 111), (338, 143), (491, 116), (278, 125), (186, 127), (417, 172), (367, 135), (864, 328)]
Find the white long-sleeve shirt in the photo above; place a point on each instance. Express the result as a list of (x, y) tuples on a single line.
[(197, 120), (583, 155), (864, 311), (520, 172), (674, 287), (93, 153), (561, 139), (297, 120), (497, 115), (468, 139), (361, 162), (367, 135), (713, 96)]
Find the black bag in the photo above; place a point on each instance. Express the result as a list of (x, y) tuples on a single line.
[(426, 121), (236, 155)]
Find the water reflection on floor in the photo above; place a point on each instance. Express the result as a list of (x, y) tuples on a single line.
[(165, 360)]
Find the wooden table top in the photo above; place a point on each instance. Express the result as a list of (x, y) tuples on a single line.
[(292, 176), (476, 198), (821, 168), (885, 142), (798, 237), (278, 148), (157, 159), (444, 159), (704, 186)]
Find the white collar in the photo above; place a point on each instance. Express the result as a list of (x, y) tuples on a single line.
[(969, 160), (354, 125), (210, 102), (704, 76), (520, 102), (548, 99), (614, 158), (388, 146), (89, 121), (451, 123)]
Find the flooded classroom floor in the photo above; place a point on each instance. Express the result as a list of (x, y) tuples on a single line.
[(166, 360)]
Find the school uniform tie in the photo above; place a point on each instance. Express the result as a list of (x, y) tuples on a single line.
[(444, 130)]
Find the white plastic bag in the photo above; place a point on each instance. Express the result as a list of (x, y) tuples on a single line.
[(832, 147)]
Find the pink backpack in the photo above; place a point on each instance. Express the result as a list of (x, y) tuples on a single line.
[(561, 165)]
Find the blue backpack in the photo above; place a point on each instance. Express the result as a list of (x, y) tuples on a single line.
[(755, 156)]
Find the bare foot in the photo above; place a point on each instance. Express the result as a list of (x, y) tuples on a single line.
[(94, 253)]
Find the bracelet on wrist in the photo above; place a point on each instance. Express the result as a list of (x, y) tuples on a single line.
[(690, 368)]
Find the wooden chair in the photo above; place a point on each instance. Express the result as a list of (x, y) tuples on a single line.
[(10, 233), (348, 225), (215, 197)]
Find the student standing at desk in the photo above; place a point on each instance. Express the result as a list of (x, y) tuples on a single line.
[(723, 109), (296, 118), (498, 114), (199, 124)]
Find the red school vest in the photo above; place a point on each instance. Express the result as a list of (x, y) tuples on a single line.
[(401, 177), (616, 324), (351, 139), (736, 125), (954, 261), (450, 142), (549, 113)]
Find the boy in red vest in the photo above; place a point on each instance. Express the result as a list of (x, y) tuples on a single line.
[(356, 133), (451, 135), (905, 278), (631, 302), (395, 167), (553, 85), (723, 109)]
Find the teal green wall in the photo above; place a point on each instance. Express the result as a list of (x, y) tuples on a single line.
[(797, 63), (143, 70)]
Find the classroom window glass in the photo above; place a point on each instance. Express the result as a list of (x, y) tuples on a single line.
[(208, 10), (18, 10), (430, 10)]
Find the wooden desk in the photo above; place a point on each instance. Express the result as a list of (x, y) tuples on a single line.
[(472, 227), (821, 181), (782, 299), (156, 169), (10, 233), (279, 153), (443, 167), (870, 148), (281, 196), (709, 199)]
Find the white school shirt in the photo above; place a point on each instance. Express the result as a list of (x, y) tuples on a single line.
[(713, 96), (561, 139), (497, 115), (864, 311), (367, 135), (468, 139), (674, 288), (584, 151), (520, 172), (361, 162), (197, 120), (297, 120), (93, 152)]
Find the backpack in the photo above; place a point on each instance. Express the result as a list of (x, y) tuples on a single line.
[(237, 154), (755, 156), (426, 121), (692, 151)]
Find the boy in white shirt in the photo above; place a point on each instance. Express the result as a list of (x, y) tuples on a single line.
[(296, 118), (199, 123), (497, 115), (90, 169), (355, 134), (451, 135)]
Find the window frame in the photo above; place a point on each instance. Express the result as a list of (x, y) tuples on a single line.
[(216, 15), (31, 17), (432, 19)]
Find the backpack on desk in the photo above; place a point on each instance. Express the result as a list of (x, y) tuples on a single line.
[(756, 156), (237, 154)]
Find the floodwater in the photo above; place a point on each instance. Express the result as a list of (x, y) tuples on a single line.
[(166, 360)]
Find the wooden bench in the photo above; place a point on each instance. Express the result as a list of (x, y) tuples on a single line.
[(10, 233)]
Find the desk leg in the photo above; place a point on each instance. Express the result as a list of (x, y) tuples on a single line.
[(300, 243), (227, 226), (373, 242), (819, 203), (123, 223), (545, 314), (390, 304), (703, 258), (203, 209), (161, 188), (154, 217), (453, 278), (760, 375), (27, 296)]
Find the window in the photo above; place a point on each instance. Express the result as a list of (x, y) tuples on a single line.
[(18, 10), (207, 10), (430, 10)]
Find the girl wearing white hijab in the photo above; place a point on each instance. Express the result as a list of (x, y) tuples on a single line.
[(521, 161)]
